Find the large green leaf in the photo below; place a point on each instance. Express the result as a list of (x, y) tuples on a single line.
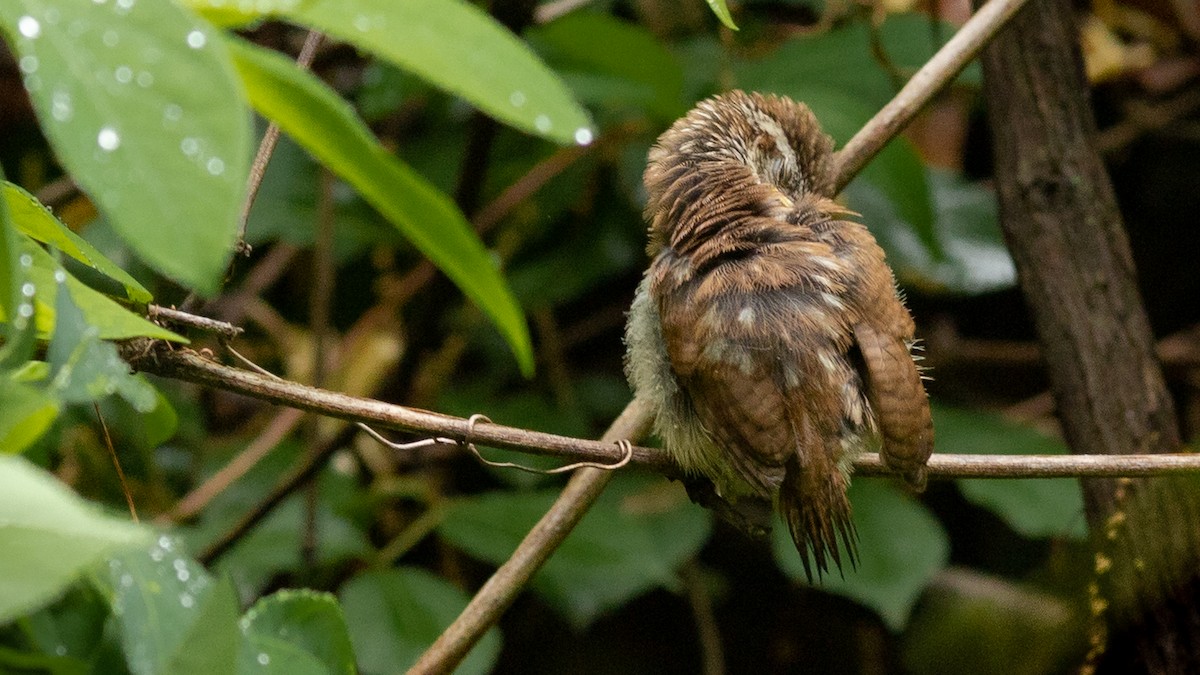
[(901, 547), (141, 105), (326, 126), (455, 46), (632, 540), (296, 631), (394, 615), (172, 616), (1034, 507), (32, 218), (48, 535)]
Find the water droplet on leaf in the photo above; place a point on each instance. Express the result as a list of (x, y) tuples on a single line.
[(29, 27), (196, 39), (108, 139)]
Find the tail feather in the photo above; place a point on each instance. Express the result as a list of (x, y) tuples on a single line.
[(815, 506)]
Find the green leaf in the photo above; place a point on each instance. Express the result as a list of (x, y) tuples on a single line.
[(1033, 507), (26, 413), (901, 547), (606, 61), (34, 219), (395, 615), (632, 540), (456, 47), (718, 7), (85, 369), (325, 125), (16, 297), (171, 615), (141, 105), (111, 320), (295, 631), (48, 535)]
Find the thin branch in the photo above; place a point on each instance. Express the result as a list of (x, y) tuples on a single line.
[(321, 325), (112, 453), (266, 147), (189, 366), (930, 79), (194, 321), (299, 476)]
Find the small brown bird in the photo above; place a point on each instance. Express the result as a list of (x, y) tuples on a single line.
[(767, 334)]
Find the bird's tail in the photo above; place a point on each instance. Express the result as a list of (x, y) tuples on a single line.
[(816, 508)]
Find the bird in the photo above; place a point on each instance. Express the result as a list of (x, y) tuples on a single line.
[(767, 335)]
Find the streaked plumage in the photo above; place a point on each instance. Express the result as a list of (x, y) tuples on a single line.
[(767, 333)]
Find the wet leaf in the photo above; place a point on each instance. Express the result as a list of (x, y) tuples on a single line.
[(35, 220), (456, 47), (172, 616), (141, 105), (296, 631)]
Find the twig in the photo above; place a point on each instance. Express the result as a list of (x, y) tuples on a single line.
[(193, 321), (320, 319), (189, 366), (299, 476), (112, 453), (930, 79), (266, 147)]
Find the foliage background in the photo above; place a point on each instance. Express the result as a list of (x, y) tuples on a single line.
[(986, 576)]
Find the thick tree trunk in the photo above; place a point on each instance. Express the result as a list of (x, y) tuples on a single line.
[(1072, 255)]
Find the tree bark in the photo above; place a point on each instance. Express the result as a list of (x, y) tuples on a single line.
[(1064, 229)]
